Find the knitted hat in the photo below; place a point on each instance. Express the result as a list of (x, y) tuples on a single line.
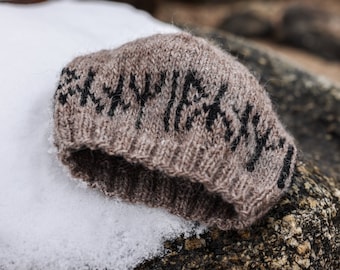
[(172, 121)]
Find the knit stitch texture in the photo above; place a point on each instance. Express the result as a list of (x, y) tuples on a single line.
[(172, 121)]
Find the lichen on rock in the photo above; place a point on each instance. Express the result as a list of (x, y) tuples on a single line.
[(301, 232)]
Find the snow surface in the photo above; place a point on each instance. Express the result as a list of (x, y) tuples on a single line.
[(47, 219)]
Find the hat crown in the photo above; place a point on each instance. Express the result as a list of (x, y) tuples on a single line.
[(178, 105)]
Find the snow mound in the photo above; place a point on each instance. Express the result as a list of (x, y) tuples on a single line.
[(48, 220)]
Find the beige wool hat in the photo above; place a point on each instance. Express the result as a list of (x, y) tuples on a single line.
[(172, 121)]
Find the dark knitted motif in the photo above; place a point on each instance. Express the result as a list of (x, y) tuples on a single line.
[(172, 121)]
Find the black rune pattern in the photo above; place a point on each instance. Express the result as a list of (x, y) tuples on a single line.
[(248, 119)]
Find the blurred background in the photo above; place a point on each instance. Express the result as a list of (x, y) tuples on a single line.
[(306, 32)]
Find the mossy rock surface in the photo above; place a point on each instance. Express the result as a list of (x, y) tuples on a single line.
[(300, 232)]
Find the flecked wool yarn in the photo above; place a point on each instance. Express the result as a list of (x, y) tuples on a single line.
[(172, 121)]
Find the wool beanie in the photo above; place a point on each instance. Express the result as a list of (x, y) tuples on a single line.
[(172, 121)]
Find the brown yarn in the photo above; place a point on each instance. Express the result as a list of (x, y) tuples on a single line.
[(172, 121)]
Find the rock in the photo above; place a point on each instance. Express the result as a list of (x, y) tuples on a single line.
[(303, 248), (248, 24), (194, 243), (302, 25), (303, 230), (294, 235), (313, 29)]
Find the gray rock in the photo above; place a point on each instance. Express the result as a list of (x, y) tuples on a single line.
[(312, 29), (248, 24)]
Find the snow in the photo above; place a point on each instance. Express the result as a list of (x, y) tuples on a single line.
[(47, 219)]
